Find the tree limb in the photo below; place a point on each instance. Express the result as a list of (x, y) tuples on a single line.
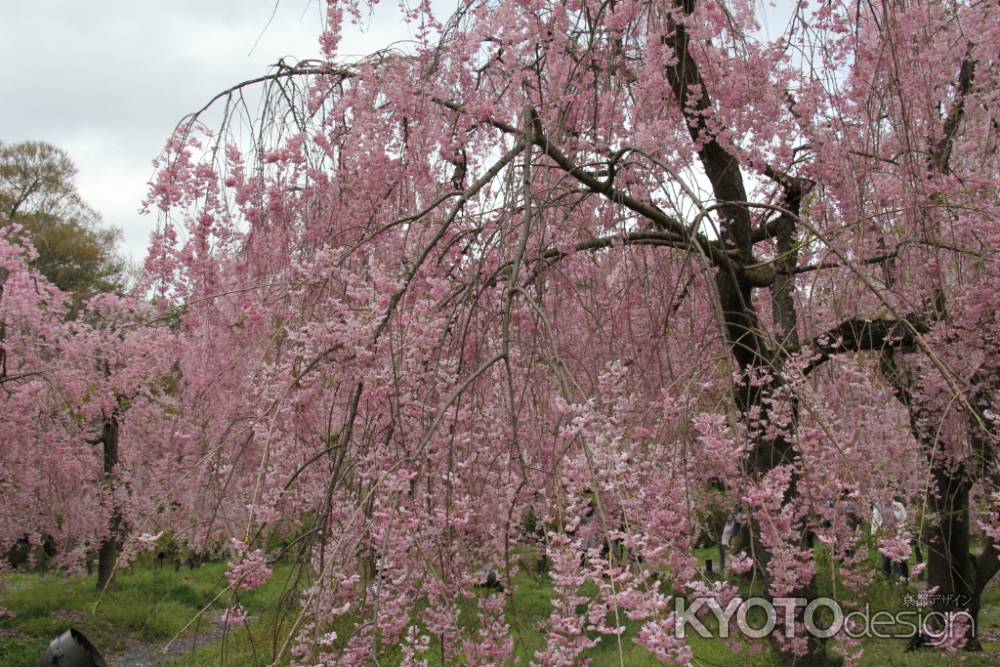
[(864, 335)]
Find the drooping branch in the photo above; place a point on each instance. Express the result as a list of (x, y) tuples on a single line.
[(473, 189), (282, 71)]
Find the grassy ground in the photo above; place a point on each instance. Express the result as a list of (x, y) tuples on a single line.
[(152, 605), (531, 598), (149, 604)]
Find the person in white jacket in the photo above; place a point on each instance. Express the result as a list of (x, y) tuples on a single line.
[(892, 568)]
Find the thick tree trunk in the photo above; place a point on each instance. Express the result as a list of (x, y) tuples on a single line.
[(752, 355), (748, 346), (958, 575), (107, 555), (951, 568)]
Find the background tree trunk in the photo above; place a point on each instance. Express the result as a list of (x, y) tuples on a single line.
[(951, 567), (958, 575), (107, 555)]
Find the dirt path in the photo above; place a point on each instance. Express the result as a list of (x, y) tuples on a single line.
[(146, 654)]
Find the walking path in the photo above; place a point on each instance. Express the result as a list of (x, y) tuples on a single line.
[(147, 654)]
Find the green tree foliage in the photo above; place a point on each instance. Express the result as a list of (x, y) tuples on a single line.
[(75, 250)]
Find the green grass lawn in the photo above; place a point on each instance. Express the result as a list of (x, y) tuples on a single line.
[(531, 603), (148, 604), (153, 605)]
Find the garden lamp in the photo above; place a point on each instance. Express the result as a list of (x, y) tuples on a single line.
[(71, 649)]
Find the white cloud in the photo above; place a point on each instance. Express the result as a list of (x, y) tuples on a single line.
[(108, 81)]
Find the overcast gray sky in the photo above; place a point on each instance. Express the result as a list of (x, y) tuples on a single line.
[(108, 80)]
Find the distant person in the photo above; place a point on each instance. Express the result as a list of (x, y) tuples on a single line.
[(850, 509), (849, 516), (731, 532), (890, 567)]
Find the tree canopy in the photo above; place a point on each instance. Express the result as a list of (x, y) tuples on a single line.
[(559, 276), (38, 192)]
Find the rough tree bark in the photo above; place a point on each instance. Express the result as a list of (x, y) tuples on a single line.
[(107, 555), (958, 575), (747, 342)]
